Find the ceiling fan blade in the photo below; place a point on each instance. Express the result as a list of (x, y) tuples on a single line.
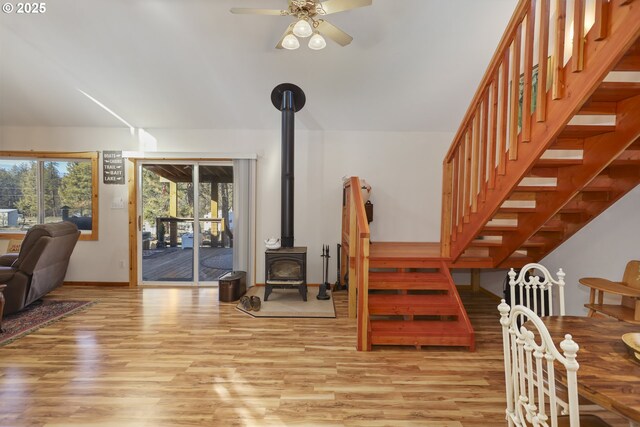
[(245, 10), (334, 33), (334, 6), (287, 31)]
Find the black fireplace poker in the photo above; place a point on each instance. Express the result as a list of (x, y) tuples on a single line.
[(289, 99)]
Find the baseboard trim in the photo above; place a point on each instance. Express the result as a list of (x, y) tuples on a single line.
[(95, 283)]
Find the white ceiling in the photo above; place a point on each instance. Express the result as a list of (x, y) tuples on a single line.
[(413, 65)]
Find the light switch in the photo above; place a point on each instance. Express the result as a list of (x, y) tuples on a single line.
[(117, 203)]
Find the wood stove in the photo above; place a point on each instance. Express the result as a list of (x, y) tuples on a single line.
[(286, 268)]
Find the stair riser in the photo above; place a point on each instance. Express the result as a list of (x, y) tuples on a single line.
[(406, 263), (409, 286), (404, 310)]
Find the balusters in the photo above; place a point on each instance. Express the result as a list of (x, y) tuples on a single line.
[(494, 132), (577, 56), (460, 198), (504, 117), (467, 179), (543, 53), (602, 19), (455, 196), (483, 146), (508, 105), (475, 143), (525, 119), (516, 51), (558, 60)]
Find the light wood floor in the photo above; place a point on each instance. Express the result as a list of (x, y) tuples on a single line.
[(176, 357)]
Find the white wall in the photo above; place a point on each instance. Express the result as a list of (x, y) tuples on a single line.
[(601, 249), (404, 170)]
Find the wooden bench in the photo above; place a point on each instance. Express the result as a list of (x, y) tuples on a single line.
[(629, 289)]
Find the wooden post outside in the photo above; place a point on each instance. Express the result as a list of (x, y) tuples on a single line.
[(173, 199), (215, 198)]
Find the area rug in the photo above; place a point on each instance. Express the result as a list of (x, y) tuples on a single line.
[(288, 303), (37, 315)]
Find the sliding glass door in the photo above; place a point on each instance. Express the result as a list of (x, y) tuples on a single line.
[(176, 246)]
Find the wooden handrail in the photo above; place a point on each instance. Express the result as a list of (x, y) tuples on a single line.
[(513, 117), (357, 236)]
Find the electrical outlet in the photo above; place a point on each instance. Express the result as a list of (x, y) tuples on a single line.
[(121, 263)]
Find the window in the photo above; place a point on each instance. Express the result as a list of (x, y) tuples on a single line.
[(39, 188)]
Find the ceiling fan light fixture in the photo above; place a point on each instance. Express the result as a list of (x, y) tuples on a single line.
[(290, 42), (317, 42), (302, 28)]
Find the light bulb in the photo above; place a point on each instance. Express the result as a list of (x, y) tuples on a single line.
[(290, 42), (317, 42), (302, 29)]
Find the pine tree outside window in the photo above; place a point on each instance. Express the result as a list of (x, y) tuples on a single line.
[(40, 188)]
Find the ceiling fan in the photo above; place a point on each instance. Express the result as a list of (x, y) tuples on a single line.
[(308, 21)]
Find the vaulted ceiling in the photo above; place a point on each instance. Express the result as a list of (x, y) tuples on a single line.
[(413, 65)]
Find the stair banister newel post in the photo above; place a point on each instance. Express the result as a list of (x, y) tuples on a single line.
[(358, 237)]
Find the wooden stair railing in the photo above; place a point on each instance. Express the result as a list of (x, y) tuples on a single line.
[(521, 108), (355, 243)]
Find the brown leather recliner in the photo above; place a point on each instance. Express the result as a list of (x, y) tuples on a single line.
[(40, 266)]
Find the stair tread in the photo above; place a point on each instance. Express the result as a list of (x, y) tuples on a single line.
[(585, 131), (615, 91)]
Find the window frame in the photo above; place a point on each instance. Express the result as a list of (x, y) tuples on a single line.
[(38, 156)]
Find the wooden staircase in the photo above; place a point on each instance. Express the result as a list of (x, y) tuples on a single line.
[(545, 147), (416, 308), (523, 177)]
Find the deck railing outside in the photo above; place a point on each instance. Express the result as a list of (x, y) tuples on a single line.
[(357, 235), (546, 66)]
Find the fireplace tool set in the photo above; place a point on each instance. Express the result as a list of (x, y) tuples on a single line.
[(324, 286)]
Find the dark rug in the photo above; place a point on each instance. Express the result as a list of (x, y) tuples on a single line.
[(37, 315)]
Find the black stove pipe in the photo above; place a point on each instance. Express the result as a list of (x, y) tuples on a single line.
[(289, 99), (287, 183)]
